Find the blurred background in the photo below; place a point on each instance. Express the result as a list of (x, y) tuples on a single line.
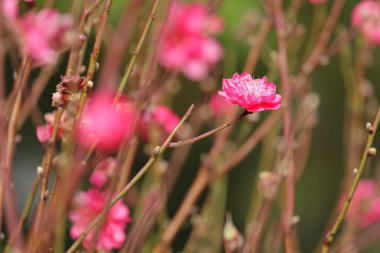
[(317, 190)]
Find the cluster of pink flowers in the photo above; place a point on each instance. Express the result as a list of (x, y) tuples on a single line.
[(41, 41), (365, 205), (186, 44), (42, 33), (254, 95), (88, 205), (366, 17), (107, 125)]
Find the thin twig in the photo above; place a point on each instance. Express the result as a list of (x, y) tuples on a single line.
[(254, 53), (25, 212), (211, 132), (135, 53), (93, 58), (331, 234), (324, 37), (6, 184), (288, 133), (46, 166)]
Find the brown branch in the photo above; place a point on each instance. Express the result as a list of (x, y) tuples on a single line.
[(6, 184), (254, 50), (205, 176), (288, 208), (324, 37)]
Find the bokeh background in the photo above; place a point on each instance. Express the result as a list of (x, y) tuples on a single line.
[(317, 190)]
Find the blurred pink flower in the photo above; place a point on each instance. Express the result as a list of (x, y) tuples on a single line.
[(254, 95), (44, 132), (43, 33), (90, 204), (219, 106), (102, 172), (9, 8), (104, 123), (187, 44), (365, 205), (317, 1), (366, 17), (165, 118), (162, 117)]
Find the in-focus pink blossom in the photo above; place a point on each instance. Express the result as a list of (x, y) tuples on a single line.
[(9, 8), (105, 124), (162, 117), (43, 33), (219, 106), (365, 205), (90, 204), (317, 1), (254, 95), (187, 44), (102, 172), (366, 17)]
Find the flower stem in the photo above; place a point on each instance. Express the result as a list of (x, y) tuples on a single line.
[(93, 58), (7, 193), (135, 53), (46, 166), (323, 39), (25, 212), (157, 152), (329, 239), (211, 132)]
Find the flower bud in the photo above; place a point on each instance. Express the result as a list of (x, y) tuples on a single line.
[(267, 185), (369, 128), (233, 240), (371, 152)]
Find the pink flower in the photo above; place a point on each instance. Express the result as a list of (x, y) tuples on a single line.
[(43, 33), (88, 205), (105, 124), (365, 205), (162, 117), (102, 172), (366, 17), (9, 8), (317, 1), (254, 95), (187, 44), (219, 106), (165, 118), (45, 132)]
